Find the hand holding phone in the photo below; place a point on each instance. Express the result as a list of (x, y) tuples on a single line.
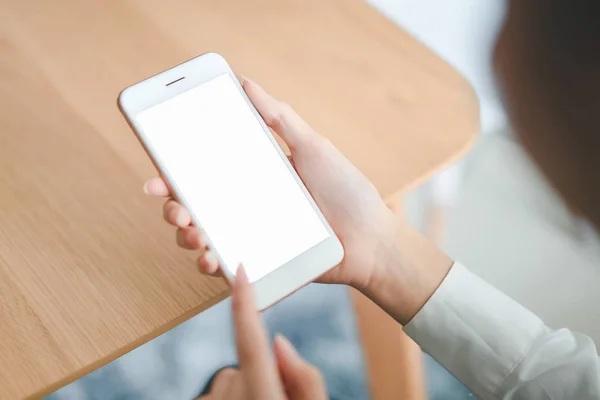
[(348, 200)]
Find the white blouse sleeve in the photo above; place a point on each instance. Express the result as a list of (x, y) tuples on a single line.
[(499, 349)]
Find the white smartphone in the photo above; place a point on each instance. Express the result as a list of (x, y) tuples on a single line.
[(224, 165)]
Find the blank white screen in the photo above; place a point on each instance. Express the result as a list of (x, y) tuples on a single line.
[(228, 172)]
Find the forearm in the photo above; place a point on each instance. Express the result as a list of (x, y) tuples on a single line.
[(410, 269)]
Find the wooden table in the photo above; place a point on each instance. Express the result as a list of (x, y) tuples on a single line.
[(88, 270)]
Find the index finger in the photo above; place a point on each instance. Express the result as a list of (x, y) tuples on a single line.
[(254, 354)]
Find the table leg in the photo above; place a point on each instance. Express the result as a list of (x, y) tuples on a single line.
[(394, 361)]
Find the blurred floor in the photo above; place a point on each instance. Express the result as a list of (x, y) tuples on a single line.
[(319, 320)]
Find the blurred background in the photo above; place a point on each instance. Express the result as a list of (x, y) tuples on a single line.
[(492, 211)]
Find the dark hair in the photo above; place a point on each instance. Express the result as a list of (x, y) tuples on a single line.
[(556, 107)]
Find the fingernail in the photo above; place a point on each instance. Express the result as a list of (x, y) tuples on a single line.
[(146, 188), (240, 275), (181, 219), (242, 79), (210, 257), (246, 79), (286, 346)]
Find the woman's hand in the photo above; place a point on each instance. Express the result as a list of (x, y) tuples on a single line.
[(385, 258), (259, 376), (349, 201)]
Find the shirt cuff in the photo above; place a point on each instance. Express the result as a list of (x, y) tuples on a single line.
[(475, 331)]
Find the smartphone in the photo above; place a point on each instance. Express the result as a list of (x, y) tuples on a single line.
[(223, 164)]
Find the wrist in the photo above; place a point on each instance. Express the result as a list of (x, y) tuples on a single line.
[(408, 270)]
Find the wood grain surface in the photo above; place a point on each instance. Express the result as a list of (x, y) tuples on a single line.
[(88, 270)]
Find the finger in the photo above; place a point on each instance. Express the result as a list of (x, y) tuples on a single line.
[(301, 379), (278, 116), (191, 238), (156, 187), (175, 214), (208, 264), (254, 355)]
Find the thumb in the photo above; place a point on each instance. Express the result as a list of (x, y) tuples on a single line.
[(302, 381), (279, 116)]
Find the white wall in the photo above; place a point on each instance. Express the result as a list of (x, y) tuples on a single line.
[(462, 32)]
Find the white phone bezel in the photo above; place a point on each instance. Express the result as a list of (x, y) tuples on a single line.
[(294, 274)]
